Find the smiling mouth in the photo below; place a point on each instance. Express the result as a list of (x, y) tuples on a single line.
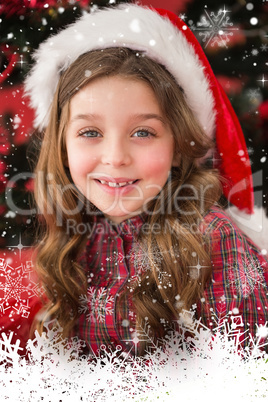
[(117, 185)]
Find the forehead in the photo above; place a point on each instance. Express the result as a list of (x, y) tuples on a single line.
[(114, 89)]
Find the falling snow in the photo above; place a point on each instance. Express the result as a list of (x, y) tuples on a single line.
[(254, 52)]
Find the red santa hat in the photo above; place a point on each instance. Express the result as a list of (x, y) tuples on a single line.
[(165, 38)]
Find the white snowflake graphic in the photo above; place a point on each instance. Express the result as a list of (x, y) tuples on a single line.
[(17, 288), (96, 304), (207, 361), (231, 325), (141, 258), (247, 279), (215, 28), (8, 350), (52, 345), (143, 261), (143, 334)]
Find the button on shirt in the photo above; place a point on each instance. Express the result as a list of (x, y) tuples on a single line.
[(113, 259)]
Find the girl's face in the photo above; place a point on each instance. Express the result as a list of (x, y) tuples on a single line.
[(119, 145)]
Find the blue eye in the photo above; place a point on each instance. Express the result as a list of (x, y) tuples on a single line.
[(89, 133), (143, 134)]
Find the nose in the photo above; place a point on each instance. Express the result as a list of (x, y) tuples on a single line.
[(116, 153)]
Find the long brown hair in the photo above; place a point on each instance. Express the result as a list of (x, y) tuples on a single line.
[(158, 298)]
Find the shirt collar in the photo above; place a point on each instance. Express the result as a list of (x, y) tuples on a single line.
[(128, 228)]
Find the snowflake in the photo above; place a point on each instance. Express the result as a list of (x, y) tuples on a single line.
[(250, 151), (134, 281), (143, 260), (264, 47), (202, 363), (254, 94), (16, 288), (187, 321), (96, 304), (8, 350), (247, 278), (215, 28), (83, 307), (50, 344), (143, 334), (183, 17), (164, 279), (230, 325)]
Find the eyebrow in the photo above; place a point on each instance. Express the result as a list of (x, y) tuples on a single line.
[(86, 116), (136, 117), (149, 116)]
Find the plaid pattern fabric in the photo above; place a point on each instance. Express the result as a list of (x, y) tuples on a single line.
[(110, 264), (236, 295)]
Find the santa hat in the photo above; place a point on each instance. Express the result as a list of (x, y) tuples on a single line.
[(165, 38)]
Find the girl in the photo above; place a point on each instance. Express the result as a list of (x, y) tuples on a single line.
[(134, 243)]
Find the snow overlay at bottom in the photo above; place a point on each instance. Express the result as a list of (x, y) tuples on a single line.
[(204, 367)]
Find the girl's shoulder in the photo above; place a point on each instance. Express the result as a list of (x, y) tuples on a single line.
[(217, 219), (219, 225), (229, 245)]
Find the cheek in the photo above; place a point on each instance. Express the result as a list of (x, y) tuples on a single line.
[(158, 166), (80, 165)]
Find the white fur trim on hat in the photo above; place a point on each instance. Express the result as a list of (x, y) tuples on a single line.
[(131, 26)]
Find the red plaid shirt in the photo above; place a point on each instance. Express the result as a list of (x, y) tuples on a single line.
[(113, 260)]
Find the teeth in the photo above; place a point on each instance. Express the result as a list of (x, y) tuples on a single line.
[(113, 184)]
